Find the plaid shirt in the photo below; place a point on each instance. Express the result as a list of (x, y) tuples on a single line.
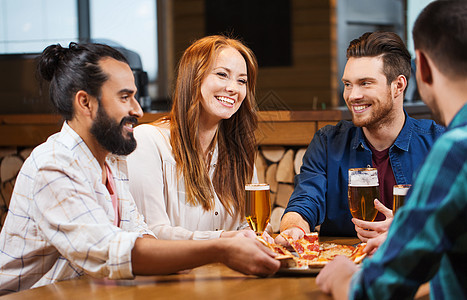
[(60, 220), (428, 235)]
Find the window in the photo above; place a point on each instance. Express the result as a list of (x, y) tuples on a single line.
[(131, 24), (414, 7), (28, 26)]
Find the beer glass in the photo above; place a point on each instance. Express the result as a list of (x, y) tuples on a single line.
[(363, 190), (257, 206), (399, 192)]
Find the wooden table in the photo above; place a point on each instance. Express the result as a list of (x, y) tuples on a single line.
[(214, 281)]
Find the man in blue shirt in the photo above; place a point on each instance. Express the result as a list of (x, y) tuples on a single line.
[(381, 135), (428, 235)]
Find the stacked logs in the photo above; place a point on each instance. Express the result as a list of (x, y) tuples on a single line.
[(278, 166), (11, 160)]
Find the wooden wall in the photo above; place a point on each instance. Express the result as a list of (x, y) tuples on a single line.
[(310, 83)]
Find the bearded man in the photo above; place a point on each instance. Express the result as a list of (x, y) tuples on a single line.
[(380, 135)]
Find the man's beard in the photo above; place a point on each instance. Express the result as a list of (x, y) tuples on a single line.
[(379, 116), (109, 134)]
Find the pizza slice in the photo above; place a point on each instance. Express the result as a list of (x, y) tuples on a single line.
[(306, 247), (282, 252), (358, 255), (330, 250)]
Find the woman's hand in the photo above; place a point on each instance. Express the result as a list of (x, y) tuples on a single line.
[(244, 232)]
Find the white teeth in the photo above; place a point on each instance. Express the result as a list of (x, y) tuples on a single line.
[(225, 99), (129, 125), (359, 108)]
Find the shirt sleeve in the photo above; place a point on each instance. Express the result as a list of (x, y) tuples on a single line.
[(426, 233), (309, 195), (69, 217)]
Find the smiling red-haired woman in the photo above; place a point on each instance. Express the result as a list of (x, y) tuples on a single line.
[(189, 170)]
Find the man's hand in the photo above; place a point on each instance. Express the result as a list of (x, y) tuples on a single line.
[(368, 230), (335, 277), (290, 225), (249, 256), (295, 232), (374, 243)]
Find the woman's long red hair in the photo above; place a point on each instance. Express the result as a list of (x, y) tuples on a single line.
[(235, 136)]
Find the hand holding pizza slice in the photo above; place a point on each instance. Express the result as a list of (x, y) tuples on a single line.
[(315, 254)]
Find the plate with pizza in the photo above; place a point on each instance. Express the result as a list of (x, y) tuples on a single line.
[(310, 256)]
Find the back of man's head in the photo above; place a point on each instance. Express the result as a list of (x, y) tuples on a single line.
[(388, 45), (72, 69), (441, 31)]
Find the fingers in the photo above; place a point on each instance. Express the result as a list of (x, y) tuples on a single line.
[(281, 241), (322, 280), (365, 224), (378, 226), (244, 233), (248, 233), (295, 232), (249, 256), (267, 237), (374, 243), (369, 248), (365, 233), (362, 238), (335, 276), (383, 209), (268, 268), (264, 263)]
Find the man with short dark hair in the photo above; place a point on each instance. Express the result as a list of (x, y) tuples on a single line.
[(381, 135), (428, 235), (71, 212)]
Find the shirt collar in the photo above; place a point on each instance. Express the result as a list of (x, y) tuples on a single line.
[(402, 141), (459, 119), (73, 141)]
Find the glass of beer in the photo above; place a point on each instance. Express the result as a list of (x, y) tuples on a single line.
[(258, 206), (363, 190), (399, 192)]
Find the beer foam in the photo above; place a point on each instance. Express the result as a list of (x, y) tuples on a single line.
[(363, 180), (400, 191), (257, 187), (364, 185)]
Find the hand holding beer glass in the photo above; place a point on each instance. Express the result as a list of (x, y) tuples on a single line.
[(257, 206), (363, 190), (399, 192)]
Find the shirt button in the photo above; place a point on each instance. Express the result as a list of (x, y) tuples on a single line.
[(216, 213), (214, 165)]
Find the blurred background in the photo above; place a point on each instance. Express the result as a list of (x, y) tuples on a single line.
[(300, 44)]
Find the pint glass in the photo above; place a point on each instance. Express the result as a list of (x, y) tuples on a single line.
[(363, 190), (399, 192), (258, 206)]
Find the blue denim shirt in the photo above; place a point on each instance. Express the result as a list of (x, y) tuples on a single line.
[(320, 194)]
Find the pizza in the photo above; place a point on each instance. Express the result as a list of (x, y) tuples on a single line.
[(282, 252), (306, 247), (312, 254), (358, 255)]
